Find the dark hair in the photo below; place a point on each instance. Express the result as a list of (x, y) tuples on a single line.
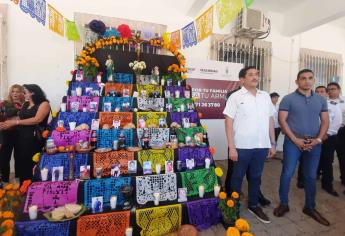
[(38, 96), (321, 86), (274, 94), (243, 72), (334, 84), (304, 71)]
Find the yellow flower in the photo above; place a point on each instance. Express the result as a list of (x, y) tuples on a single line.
[(222, 195), (184, 76), (242, 225), (7, 215), (36, 157), (54, 114), (218, 171), (230, 203), (232, 231), (235, 195), (247, 234)]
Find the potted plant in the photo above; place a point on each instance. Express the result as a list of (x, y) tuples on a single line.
[(229, 208)]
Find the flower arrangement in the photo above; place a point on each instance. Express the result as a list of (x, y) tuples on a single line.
[(10, 197), (88, 64), (241, 228), (137, 66), (229, 207)]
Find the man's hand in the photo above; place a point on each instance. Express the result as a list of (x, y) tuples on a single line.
[(272, 151), (309, 146), (300, 143), (233, 154)]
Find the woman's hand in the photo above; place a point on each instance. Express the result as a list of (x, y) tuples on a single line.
[(7, 124)]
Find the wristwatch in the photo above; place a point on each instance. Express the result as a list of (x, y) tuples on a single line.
[(319, 140)]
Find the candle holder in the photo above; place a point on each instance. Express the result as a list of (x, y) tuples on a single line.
[(126, 191)]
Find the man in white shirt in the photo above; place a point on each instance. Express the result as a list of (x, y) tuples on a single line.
[(330, 140), (274, 98), (249, 127), (334, 96)]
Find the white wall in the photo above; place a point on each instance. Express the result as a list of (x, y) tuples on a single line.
[(37, 55)]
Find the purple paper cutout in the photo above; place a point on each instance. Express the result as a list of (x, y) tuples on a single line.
[(199, 154), (70, 137)]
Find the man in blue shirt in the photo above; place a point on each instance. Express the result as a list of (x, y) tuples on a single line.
[(303, 117)]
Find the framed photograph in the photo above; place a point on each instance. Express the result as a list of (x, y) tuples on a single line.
[(79, 75), (97, 204), (88, 91), (185, 122), (74, 106), (57, 173), (169, 167), (147, 167), (107, 107), (115, 170), (84, 172), (132, 167), (116, 124), (95, 124), (162, 122), (182, 194), (126, 93), (93, 106), (190, 164)]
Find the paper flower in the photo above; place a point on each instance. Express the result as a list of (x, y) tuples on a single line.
[(218, 171), (97, 26), (125, 31), (242, 225), (111, 33), (232, 231)]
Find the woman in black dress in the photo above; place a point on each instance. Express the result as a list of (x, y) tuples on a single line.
[(33, 115), (9, 110)]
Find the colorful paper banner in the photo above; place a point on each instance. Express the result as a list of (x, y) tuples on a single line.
[(36, 9), (56, 21), (249, 2), (204, 24), (227, 11), (71, 31), (189, 35), (175, 38)]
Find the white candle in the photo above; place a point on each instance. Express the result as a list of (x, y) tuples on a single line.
[(216, 190), (177, 94), (162, 82), (78, 91), (207, 163), (44, 174), (33, 212), (99, 79), (182, 107), (113, 201), (161, 109), (84, 109), (72, 125), (129, 231), (158, 169), (156, 198), (201, 191), (63, 107)]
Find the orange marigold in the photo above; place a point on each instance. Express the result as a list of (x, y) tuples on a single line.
[(8, 232), (9, 187), (230, 203), (7, 215), (235, 195), (242, 225), (8, 224), (10, 193), (2, 193), (15, 186), (222, 195), (232, 231)]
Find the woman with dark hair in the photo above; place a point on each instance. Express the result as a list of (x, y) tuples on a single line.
[(9, 110), (32, 117)]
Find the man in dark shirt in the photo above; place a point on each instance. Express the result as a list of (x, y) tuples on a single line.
[(303, 117)]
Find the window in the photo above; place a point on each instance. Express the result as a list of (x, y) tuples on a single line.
[(246, 51), (327, 66)]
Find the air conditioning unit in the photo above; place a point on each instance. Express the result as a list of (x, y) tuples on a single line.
[(252, 23)]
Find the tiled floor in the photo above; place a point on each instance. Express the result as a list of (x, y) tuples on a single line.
[(294, 222)]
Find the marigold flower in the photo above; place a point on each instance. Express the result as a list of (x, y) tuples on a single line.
[(242, 225), (235, 195), (10, 193), (7, 215), (230, 203), (36, 157), (8, 232), (2, 193), (9, 187), (232, 231), (8, 224), (247, 234), (218, 171), (222, 195)]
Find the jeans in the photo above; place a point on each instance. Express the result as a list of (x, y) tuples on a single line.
[(310, 164), (326, 162), (250, 162)]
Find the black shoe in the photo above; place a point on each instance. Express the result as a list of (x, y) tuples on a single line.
[(300, 185), (331, 191), (316, 216), (258, 213), (264, 202)]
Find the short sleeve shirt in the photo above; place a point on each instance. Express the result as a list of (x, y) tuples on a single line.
[(251, 115), (303, 112)]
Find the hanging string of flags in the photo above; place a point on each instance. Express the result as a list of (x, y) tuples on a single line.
[(190, 35)]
